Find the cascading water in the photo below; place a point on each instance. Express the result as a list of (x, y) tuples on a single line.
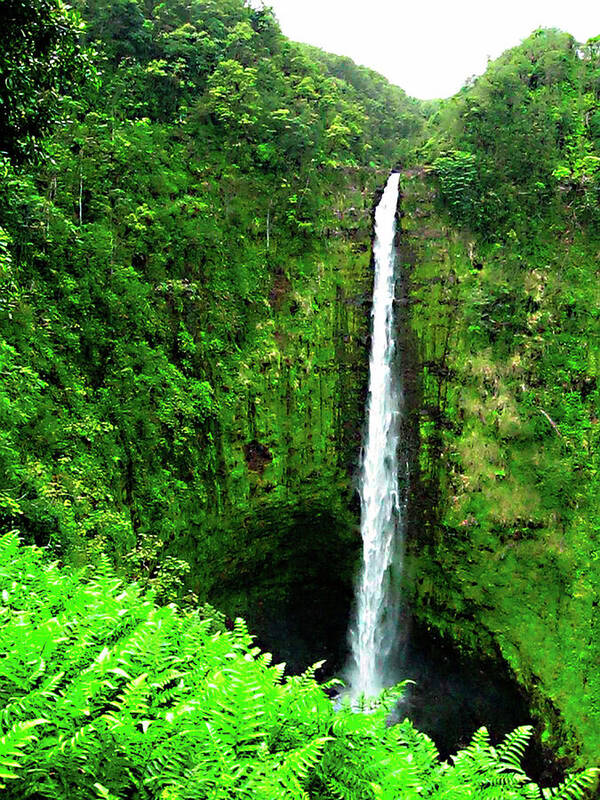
[(373, 635)]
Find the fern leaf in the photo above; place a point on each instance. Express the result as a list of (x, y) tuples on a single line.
[(512, 749), (12, 747), (574, 787)]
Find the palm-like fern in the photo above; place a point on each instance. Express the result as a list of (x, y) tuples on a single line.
[(573, 787)]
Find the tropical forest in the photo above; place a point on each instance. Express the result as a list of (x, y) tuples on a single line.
[(299, 415)]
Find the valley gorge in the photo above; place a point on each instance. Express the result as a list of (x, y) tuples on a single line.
[(187, 271), (448, 593)]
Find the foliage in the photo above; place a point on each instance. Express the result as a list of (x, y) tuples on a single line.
[(40, 60), (507, 552), (528, 128), (511, 381), (457, 175), (139, 266), (104, 693), (182, 290)]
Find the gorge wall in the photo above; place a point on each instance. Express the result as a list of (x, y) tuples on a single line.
[(503, 543), (280, 546), (185, 289)]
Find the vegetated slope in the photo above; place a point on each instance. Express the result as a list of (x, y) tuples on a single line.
[(505, 313), (182, 329), (105, 694)]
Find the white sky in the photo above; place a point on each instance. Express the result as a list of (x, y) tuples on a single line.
[(429, 47)]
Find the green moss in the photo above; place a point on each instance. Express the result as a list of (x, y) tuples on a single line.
[(504, 555), (291, 405)]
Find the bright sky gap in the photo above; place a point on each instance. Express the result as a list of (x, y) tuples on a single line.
[(429, 48)]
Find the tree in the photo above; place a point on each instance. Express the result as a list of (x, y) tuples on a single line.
[(40, 58)]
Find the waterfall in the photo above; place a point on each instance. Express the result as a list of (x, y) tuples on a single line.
[(373, 635)]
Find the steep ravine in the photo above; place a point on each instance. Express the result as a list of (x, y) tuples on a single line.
[(292, 536), (498, 565)]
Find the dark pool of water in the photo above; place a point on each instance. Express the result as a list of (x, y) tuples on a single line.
[(452, 696)]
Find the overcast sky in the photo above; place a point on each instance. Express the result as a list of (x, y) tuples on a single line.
[(429, 47)]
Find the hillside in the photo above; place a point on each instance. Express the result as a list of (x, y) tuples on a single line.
[(504, 299), (186, 222)]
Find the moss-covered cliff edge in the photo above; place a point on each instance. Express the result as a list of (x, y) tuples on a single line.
[(503, 540), (289, 435)]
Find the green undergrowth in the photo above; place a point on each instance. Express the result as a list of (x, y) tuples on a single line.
[(105, 694), (505, 311)]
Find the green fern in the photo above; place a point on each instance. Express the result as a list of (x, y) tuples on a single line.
[(13, 746), (510, 753), (105, 695), (573, 787)]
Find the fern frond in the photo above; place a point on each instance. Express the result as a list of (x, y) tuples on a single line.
[(574, 787), (481, 738), (13, 746), (512, 749)]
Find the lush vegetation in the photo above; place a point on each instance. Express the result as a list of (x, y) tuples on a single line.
[(523, 140), (507, 269), (105, 694), (41, 60), (185, 201), (201, 185)]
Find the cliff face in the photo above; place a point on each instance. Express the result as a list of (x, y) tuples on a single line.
[(279, 545), (503, 347), (499, 354), (182, 281), (185, 371)]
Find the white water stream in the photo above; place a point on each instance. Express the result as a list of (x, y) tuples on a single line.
[(373, 635)]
